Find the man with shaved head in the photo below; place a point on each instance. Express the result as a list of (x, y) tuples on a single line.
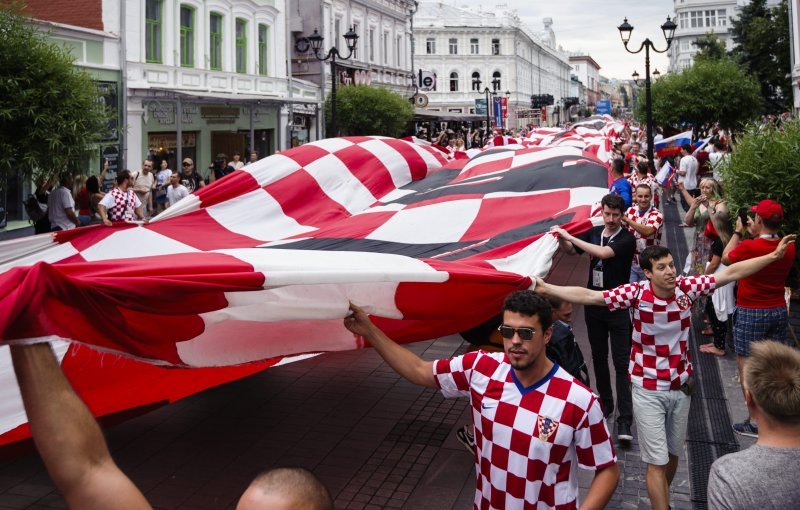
[(286, 489)]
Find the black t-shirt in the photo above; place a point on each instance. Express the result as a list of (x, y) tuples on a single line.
[(191, 181), (617, 269), (716, 248)]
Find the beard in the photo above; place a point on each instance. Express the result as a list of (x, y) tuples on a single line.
[(520, 364)]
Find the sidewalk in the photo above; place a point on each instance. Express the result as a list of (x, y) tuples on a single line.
[(375, 440)]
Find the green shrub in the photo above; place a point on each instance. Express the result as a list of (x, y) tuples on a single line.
[(766, 164), (363, 110)]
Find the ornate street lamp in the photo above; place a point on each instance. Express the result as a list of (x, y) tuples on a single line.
[(477, 82), (625, 31), (316, 40)]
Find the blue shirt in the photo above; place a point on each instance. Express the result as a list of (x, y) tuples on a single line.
[(622, 188)]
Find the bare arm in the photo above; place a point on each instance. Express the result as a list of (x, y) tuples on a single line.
[(70, 212), (403, 361), (101, 209), (645, 230), (600, 252), (602, 488), (577, 295), (747, 267), (67, 436), (734, 241)]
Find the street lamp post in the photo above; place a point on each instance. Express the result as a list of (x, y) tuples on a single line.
[(489, 104), (315, 39), (625, 30)]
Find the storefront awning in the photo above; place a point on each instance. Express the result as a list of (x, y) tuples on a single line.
[(216, 97), (426, 115)]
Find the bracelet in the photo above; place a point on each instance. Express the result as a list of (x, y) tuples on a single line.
[(737, 234)]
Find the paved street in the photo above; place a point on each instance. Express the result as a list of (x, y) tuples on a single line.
[(375, 440)]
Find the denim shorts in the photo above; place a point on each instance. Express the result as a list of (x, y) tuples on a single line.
[(756, 324), (661, 417)]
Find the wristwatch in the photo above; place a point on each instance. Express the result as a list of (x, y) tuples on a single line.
[(737, 234)]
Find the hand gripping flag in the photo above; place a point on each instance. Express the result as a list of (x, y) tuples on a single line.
[(259, 268)]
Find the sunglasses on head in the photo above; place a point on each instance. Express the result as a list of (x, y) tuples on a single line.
[(507, 332)]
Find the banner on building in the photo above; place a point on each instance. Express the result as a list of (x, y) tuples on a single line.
[(427, 81), (352, 76), (497, 107)]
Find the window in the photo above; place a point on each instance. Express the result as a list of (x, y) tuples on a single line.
[(357, 30), (476, 81), (453, 43), (430, 46), (385, 48), (215, 49), (187, 36), (263, 32), (684, 20), (696, 19), (474, 47), (241, 45), (495, 46), (398, 44), (454, 82), (496, 83), (337, 32), (711, 18), (372, 45), (152, 31), (722, 18)]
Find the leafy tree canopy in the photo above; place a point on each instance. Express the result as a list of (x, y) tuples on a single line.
[(49, 110), (761, 36), (364, 110), (709, 47), (710, 91)]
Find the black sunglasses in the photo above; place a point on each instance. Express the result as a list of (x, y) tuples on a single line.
[(507, 332), (187, 164)]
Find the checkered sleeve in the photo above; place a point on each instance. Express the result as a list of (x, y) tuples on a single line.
[(621, 297), (453, 375), (696, 286), (593, 443), (655, 219), (136, 202)]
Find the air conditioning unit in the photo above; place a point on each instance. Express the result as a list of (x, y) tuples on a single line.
[(299, 121)]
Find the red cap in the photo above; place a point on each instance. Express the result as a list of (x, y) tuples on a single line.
[(769, 210)]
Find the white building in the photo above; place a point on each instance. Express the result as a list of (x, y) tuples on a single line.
[(467, 50), (383, 49), (588, 72), (696, 18)]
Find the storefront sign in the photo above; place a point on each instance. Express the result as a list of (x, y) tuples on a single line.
[(351, 76), (166, 141)]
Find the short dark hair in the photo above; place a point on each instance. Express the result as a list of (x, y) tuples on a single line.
[(643, 167), (770, 224), (125, 174), (618, 166), (652, 254), (555, 303), (613, 202), (687, 147), (525, 302), (645, 186)]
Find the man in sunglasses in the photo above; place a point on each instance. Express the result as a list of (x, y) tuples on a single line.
[(659, 369), (189, 176), (533, 421)]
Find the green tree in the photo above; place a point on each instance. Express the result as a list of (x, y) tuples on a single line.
[(709, 47), (765, 164), (364, 110), (49, 111), (709, 91), (761, 36)]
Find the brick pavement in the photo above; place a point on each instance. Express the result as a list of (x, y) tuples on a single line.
[(375, 440)]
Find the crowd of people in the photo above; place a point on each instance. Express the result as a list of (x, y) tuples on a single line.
[(76, 201), (534, 420)]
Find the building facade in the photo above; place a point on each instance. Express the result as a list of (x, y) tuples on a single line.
[(467, 50), (794, 42), (382, 55), (696, 18), (588, 72)]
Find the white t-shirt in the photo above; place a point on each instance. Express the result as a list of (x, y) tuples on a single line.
[(57, 201), (689, 165), (237, 165), (174, 194)]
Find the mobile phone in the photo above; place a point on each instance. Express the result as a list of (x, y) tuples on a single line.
[(743, 215)]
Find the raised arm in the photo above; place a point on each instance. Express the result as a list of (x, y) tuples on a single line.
[(600, 252), (67, 436), (403, 361), (747, 267), (577, 295)]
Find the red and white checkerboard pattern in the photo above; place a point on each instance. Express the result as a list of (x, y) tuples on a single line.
[(660, 353), (652, 218), (529, 441), (125, 205)]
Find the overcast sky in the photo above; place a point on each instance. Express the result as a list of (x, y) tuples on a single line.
[(591, 26)]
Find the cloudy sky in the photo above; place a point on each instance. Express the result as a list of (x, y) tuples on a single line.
[(591, 26)]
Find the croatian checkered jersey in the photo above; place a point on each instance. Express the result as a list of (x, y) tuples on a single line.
[(659, 351), (125, 203), (652, 218), (529, 441)]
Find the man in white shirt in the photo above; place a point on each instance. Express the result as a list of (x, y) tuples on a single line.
[(176, 190), (61, 206), (687, 174)]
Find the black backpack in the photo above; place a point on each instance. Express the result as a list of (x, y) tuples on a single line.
[(35, 209), (563, 350)]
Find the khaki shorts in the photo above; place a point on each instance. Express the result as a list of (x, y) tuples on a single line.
[(661, 418)]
